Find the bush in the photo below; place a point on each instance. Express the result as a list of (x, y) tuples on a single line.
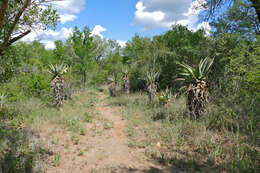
[(37, 84), (24, 86)]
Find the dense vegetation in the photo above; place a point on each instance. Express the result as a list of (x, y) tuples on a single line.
[(221, 72)]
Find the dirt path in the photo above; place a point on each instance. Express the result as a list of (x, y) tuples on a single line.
[(103, 149)]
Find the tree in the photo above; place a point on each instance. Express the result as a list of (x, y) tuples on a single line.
[(197, 92), (84, 47), (18, 18), (184, 46)]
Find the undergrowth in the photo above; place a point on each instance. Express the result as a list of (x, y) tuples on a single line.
[(216, 143)]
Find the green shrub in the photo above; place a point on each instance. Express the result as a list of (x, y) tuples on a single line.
[(37, 84), (24, 86), (13, 91)]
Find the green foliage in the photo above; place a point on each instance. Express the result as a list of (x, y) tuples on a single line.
[(24, 86), (83, 48), (240, 18), (37, 84), (233, 81), (199, 73), (165, 97)]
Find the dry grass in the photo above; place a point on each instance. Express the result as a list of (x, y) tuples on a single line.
[(165, 134), (169, 136), (21, 147)]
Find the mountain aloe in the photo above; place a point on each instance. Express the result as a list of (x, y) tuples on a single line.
[(150, 79), (112, 85), (126, 81), (197, 91), (57, 82)]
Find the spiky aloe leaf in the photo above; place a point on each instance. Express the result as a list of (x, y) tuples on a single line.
[(111, 79), (199, 73), (125, 71), (152, 76), (58, 69)]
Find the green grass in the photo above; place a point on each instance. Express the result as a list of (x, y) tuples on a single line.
[(56, 160), (216, 143), (211, 144), (23, 152)]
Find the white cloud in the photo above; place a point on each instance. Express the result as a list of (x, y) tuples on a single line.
[(49, 44), (67, 18), (69, 6), (122, 43), (52, 35), (67, 9), (98, 29), (205, 26), (196, 7), (48, 37), (164, 13)]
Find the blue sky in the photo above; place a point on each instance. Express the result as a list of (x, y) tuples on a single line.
[(116, 16), (121, 19)]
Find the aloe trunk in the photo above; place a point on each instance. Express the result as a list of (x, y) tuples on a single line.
[(126, 85), (197, 99), (151, 91), (112, 89), (57, 85)]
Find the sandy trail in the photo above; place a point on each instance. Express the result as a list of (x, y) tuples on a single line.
[(104, 148)]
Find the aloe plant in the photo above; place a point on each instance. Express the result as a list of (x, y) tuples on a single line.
[(126, 81), (197, 91), (112, 85), (57, 82), (151, 84)]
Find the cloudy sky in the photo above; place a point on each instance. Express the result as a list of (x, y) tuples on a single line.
[(121, 19)]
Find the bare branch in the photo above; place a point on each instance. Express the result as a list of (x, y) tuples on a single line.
[(18, 37)]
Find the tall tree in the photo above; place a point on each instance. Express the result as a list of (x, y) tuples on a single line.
[(84, 47), (18, 18)]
